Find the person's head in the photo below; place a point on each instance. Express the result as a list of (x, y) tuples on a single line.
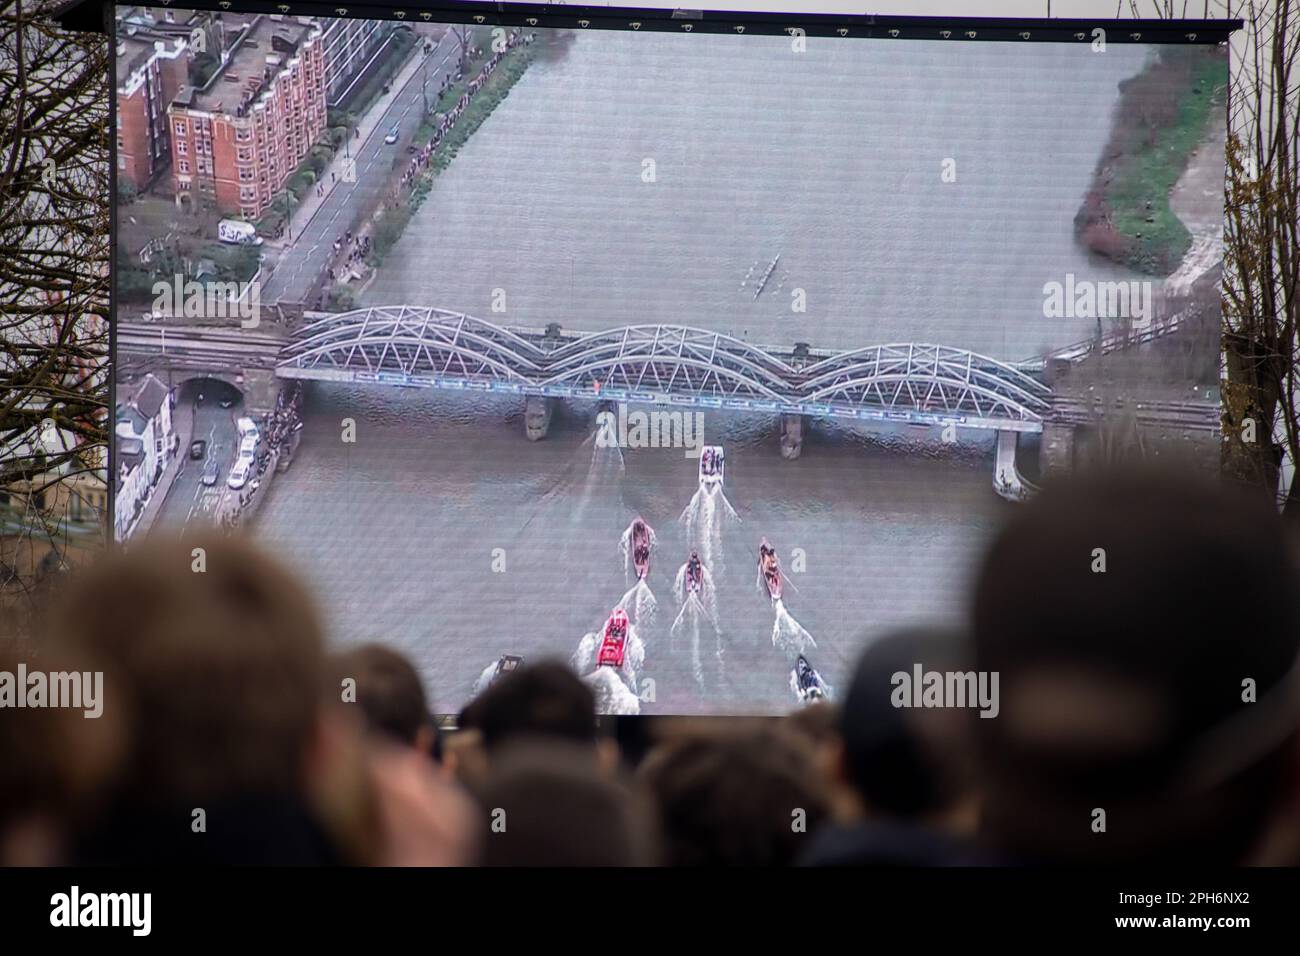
[(215, 659), (56, 758), (549, 802), (1144, 627), (388, 692), (903, 763), (546, 699), (737, 798), (818, 726)]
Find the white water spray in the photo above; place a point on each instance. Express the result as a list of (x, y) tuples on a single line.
[(640, 604), (612, 695), (787, 633), (704, 518)]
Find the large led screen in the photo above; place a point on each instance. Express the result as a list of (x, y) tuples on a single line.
[(695, 359)]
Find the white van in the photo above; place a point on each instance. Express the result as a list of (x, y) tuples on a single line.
[(237, 232), (248, 445), (246, 427), (239, 474)]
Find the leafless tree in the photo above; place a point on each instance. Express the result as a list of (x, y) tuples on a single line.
[(54, 280), (1261, 407), (1262, 250)]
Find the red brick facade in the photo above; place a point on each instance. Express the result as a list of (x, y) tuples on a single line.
[(155, 70), (235, 142)]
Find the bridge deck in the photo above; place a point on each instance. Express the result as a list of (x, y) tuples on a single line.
[(657, 364)]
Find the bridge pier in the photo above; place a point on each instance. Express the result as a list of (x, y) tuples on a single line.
[(537, 416), (1056, 453), (791, 436), (1006, 476), (261, 389)]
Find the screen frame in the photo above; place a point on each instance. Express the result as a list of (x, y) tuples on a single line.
[(849, 26), (80, 15)]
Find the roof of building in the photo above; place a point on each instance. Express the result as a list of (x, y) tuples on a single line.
[(130, 446), (150, 396), (138, 33), (259, 47), (130, 452)]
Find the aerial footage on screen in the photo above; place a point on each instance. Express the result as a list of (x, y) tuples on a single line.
[(694, 360)]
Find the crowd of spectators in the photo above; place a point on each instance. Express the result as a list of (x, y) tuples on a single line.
[(276, 430), (1148, 711)]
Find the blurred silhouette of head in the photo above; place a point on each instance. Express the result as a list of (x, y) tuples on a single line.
[(903, 763), (389, 692), (546, 699), (1144, 626), (548, 802), (215, 656), (55, 760), (735, 798)]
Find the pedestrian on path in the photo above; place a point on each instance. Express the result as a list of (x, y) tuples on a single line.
[(331, 176)]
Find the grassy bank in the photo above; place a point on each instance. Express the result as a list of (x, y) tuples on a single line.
[(1162, 116), (392, 222)]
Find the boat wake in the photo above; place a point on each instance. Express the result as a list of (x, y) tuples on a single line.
[(703, 519), (612, 695), (484, 680), (582, 478), (686, 630), (705, 598), (606, 468), (787, 633), (640, 604)]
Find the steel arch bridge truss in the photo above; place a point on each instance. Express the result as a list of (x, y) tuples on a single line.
[(403, 345), (931, 379), (663, 360), (390, 343)]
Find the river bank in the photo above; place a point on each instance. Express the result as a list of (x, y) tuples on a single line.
[(458, 112), (1162, 116)]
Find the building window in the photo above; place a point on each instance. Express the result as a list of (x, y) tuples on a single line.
[(180, 128), (183, 166), (181, 148)]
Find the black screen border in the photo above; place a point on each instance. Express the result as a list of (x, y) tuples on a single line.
[(848, 26), (99, 16)]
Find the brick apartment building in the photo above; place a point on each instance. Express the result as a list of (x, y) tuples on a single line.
[(152, 66), (238, 138)]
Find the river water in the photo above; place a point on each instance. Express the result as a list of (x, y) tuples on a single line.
[(832, 159), (442, 531)]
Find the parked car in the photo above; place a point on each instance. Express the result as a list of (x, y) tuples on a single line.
[(246, 426), (198, 448), (393, 135), (248, 445), (211, 472), (239, 474)]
